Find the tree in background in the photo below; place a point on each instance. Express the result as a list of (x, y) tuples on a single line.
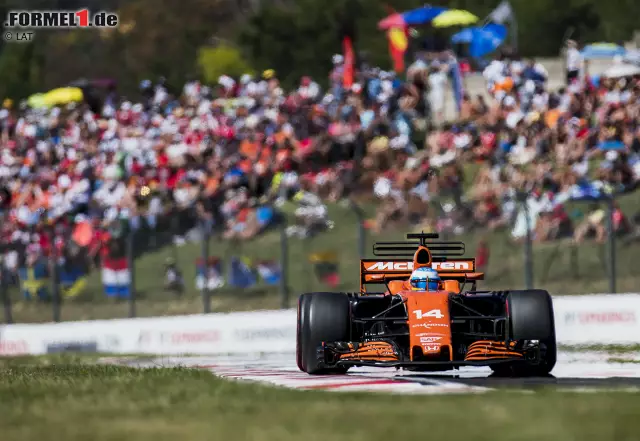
[(221, 60), (21, 70), (294, 37), (154, 39)]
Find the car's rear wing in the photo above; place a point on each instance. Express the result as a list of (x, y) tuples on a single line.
[(396, 260)]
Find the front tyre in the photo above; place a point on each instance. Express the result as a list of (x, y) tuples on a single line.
[(301, 310), (530, 317), (322, 317)]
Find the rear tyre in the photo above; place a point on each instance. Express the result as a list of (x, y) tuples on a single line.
[(530, 317), (322, 317)]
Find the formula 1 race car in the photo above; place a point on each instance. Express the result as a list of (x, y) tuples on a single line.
[(513, 332)]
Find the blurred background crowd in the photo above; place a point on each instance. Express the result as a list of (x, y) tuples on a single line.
[(223, 156)]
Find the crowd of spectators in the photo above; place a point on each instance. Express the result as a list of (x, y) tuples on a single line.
[(521, 142), (223, 156), (227, 155)]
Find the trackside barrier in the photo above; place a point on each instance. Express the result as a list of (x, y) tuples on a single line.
[(251, 332), (592, 319), (597, 319)]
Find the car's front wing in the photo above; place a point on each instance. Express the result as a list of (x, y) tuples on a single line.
[(386, 354), (428, 365)]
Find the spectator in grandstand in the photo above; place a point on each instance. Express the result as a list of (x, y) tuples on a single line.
[(174, 281), (574, 62), (311, 216), (595, 222)]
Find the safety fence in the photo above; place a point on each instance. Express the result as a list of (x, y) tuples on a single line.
[(184, 264)]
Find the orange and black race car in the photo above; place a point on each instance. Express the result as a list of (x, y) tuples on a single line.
[(513, 332)]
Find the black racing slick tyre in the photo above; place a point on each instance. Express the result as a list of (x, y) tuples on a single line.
[(322, 317), (303, 313), (530, 317)]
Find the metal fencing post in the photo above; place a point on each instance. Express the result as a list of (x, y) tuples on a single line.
[(206, 295), (362, 238), (175, 230), (528, 246), (55, 287), (611, 245), (306, 251), (284, 265), (132, 271), (6, 298), (54, 266), (575, 270)]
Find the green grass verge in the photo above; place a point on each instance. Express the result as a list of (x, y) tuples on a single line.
[(558, 267), (613, 349), (73, 401), (622, 360), (63, 358)]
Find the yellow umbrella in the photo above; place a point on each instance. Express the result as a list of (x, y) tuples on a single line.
[(62, 95), (454, 17), (36, 101)]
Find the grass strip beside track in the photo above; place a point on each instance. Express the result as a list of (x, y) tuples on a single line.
[(622, 360), (62, 398), (612, 349)]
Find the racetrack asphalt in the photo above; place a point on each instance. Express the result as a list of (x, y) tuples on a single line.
[(574, 371)]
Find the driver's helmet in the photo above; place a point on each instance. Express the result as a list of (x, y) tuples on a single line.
[(424, 279)]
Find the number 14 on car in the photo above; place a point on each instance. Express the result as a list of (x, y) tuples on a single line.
[(433, 313)]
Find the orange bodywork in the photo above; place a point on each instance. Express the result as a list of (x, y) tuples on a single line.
[(429, 326), (429, 323), (396, 286), (429, 319), (451, 286)]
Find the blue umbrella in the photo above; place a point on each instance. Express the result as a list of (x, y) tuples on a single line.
[(482, 40), (464, 36), (602, 50), (422, 15)]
